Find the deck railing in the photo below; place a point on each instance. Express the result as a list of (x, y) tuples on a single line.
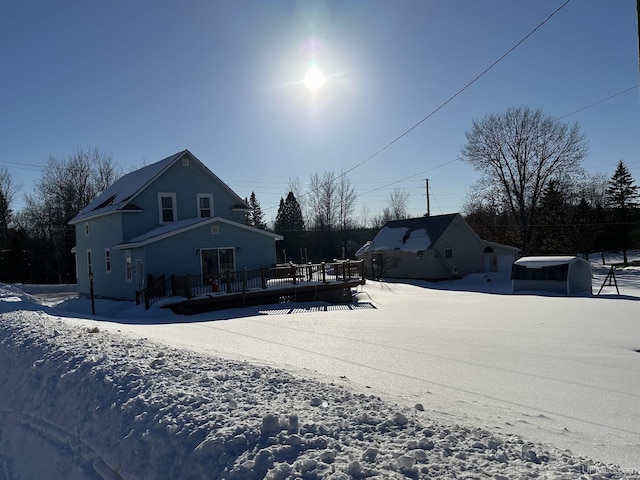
[(281, 276)]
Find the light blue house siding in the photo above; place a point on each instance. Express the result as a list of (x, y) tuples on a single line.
[(185, 183), (104, 233), (251, 249), (128, 232)]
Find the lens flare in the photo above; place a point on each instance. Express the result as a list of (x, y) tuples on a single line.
[(314, 79)]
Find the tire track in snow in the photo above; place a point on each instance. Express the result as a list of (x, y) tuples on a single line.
[(425, 381), (464, 362)]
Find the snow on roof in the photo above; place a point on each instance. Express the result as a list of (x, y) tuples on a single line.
[(169, 229), (548, 261), (402, 239), (116, 196), (175, 228), (363, 249)]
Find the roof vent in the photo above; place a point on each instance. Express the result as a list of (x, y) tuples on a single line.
[(185, 161)]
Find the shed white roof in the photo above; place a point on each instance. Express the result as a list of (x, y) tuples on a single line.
[(548, 261)]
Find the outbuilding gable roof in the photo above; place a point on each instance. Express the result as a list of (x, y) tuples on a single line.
[(412, 234), (119, 195)]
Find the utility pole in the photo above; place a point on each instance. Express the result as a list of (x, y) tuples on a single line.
[(428, 205)]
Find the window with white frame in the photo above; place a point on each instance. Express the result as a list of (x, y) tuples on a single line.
[(107, 260), (128, 266), (205, 205), (167, 207)]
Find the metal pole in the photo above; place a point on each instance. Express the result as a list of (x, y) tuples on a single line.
[(427, 185), (93, 303)]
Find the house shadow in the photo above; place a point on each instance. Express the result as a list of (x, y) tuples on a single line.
[(127, 313)]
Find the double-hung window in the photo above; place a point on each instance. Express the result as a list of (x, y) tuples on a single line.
[(167, 207), (89, 263), (205, 205)]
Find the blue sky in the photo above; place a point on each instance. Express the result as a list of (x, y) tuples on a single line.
[(143, 79)]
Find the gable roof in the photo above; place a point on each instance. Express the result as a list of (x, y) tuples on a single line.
[(119, 195), (412, 234)]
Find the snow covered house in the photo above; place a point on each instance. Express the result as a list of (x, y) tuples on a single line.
[(432, 248), (171, 217), (560, 274)]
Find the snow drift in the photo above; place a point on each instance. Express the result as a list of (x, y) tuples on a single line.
[(82, 401)]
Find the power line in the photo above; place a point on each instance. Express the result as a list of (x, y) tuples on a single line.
[(459, 92), (603, 100)]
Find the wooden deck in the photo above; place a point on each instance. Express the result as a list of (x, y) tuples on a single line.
[(334, 292), (331, 282)]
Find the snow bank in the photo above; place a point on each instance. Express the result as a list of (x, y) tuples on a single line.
[(103, 405)]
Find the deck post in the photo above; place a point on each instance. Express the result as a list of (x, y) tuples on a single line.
[(294, 274), (244, 280), (345, 266), (188, 286), (172, 278), (228, 281), (324, 272), (263, 277)]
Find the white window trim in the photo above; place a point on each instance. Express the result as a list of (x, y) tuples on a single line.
[(204, 195), (128, 266), (174, 205), (107, 260)]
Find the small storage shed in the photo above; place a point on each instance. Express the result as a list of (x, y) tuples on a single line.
[(559, 274)]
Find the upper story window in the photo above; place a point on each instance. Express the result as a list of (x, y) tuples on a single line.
[(167, 207), (205, 205)]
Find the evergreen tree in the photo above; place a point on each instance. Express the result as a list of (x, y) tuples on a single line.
[(255, 216), (553, 231), (289, 215), (622, 196)]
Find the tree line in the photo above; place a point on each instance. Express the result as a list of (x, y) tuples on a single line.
[(532, 193)]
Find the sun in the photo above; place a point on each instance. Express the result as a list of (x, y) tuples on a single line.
[(314, 79)]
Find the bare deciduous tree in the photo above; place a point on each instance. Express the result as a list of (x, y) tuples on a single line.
[(518, 153), (397, 205), (322, 201), (345, 200), (8, 191), (65, 188)]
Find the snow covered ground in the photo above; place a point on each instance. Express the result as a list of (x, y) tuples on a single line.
[(455, 379)]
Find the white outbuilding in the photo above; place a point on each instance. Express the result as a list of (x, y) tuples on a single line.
[(560, 274)]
